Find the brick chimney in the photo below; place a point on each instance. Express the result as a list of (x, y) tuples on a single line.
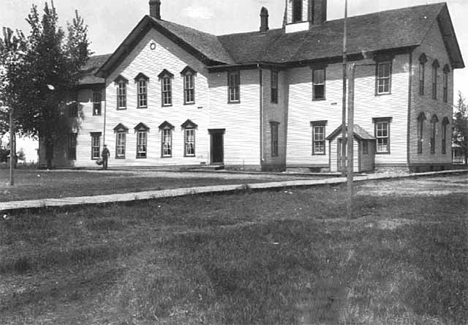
[(318, 11), (264, 20), (155, 8)]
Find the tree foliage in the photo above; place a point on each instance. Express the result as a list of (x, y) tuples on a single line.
[(460, 126), (50, 71)]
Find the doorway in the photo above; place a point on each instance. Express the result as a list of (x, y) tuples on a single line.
[(217, 146)]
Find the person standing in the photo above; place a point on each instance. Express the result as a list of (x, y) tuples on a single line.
[(105, 157)]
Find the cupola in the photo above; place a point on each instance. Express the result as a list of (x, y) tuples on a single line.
[(303, 14)]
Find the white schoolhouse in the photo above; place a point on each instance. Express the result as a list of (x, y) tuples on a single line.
[(271, 99)]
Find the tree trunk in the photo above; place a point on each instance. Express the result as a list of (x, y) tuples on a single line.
[(49, 152)]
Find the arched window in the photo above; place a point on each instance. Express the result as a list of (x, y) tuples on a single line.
[(422, 73), (446, 82), (421, 119)]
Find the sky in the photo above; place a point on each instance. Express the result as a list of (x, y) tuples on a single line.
[(110, 21)]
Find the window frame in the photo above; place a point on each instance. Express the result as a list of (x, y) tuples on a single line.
[(317, 84), (378, 138), (445, 83), (319, 142), (445, 122), (422, 73), (120, 144), (142, 142), (274, 86), (435, 72), (274, 138), (188, 141), (142, 93), (234, 82), (379, 79), (434, 121), (297, 11), (95, 149), (166, 152), (420, 131), (166, 91), (97, 102)]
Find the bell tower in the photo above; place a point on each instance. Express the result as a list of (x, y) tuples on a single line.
[(301, 15)]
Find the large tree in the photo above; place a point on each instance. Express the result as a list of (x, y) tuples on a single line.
[(460, 126), (50, 72)]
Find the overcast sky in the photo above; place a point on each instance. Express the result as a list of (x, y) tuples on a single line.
[(110, 21)]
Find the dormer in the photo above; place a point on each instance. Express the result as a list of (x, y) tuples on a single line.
[(301, 15)]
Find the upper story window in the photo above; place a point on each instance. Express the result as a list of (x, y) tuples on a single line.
[(318, 84), (73, 105), (435, 68), (121, 84), (142, 90), (166, 87), (382, 134), (384, 77), (296, 11), (318, 137), (97, 102), (421, 119), (274, 87), (422, 73), (166, 139), (188, 74), (445, 83), (234, 86), (189, 138)]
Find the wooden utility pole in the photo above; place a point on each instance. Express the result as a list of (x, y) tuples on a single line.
[(343, 114), (12, 148), (350, 140)]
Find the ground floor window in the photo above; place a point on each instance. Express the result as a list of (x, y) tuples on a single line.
[(166, 143), (95, 145), (142, 138), (72, 146), (120, 145), (318, 137), (382, 134), (189, 142), (274, 138)]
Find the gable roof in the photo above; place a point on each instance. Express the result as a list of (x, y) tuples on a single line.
[(359, 133), (399, 29), (91, 67)]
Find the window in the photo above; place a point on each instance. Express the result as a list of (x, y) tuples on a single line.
[(234, 87), (141, 144), (121, 84), (97, 102), (365, 147), (445, 81), (434, 121), (382, 134), (120, 145), (166, 87), (435, 67), (95, 145), (318, 137), (297, 11), (73, 105), (422, 73), (445, 122), (384, 72), (274, 87), (166, 139), (189, 138), (120, 140), (72, 146), (166, 143), (274, 138), (188, 75), (421, 119), (318, 81), (142, 93)]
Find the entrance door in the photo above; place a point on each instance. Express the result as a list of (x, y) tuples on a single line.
[(217, 146)]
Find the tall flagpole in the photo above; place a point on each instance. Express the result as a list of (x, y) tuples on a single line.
[(345, 67)]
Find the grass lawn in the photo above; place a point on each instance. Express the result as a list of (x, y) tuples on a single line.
[(40, 184), (272, 257)]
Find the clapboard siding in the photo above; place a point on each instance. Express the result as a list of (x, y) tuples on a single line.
[(167, 55), (334, 155), (434, 49), (241, 120), (303, 110)]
